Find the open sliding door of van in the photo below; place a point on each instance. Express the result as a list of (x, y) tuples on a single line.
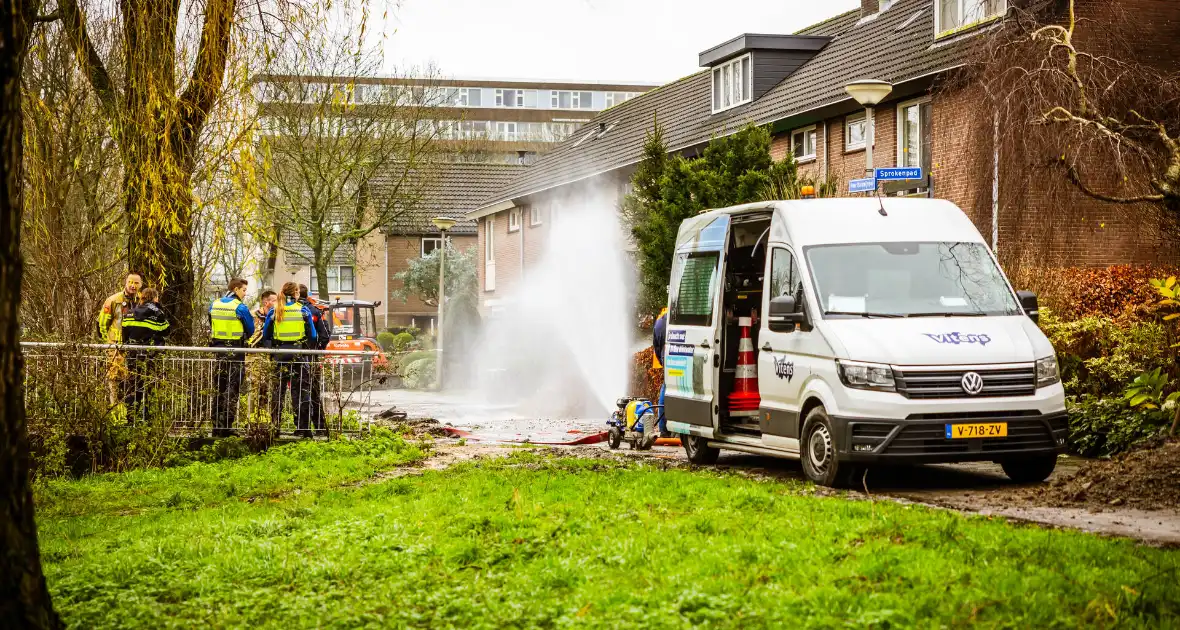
[(693, 338)]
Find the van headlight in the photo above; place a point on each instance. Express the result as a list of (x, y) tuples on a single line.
[(1047, 373), (874, 376)]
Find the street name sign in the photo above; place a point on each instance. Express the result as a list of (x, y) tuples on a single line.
[(862, 185), (897, 174)]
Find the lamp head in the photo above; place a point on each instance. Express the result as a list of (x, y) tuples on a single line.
[(443, 223), (869, 92)]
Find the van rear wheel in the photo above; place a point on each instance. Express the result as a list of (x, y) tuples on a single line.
[(1034, 469), (819, 453), (698, 450)]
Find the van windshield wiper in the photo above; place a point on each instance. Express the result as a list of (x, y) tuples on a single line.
[(945, 314), (862, 314)]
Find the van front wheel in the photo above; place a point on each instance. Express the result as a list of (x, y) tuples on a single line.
[(1029, 469), (818, 453), (698, 450)]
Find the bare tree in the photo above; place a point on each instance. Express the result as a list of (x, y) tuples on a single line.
[(339, 159), (1082, 95), (72, 227), (24, 596)]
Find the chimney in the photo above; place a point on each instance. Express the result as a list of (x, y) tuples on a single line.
[(869, 7)]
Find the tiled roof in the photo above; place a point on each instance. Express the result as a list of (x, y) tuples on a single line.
[(896, 45), (300, 253), (448, 189)]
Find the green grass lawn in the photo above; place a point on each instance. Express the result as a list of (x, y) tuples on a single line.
[(289, 540)]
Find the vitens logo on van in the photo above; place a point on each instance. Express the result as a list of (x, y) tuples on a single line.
[(677, 336), (680, 350), (960, 338), (784, 368)]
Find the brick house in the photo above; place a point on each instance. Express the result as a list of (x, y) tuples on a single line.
[(456, 189), (486, 129), (795, 84), (367, 270)]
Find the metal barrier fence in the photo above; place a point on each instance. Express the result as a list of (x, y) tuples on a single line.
[(191, 389)]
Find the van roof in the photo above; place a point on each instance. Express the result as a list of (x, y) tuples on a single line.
[(858, 220)]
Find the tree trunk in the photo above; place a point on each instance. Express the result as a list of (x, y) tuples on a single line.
[(321, 274), (162, 252), (24, 596), (158, 158)]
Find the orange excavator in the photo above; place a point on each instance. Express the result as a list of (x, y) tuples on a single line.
[(354, 327)]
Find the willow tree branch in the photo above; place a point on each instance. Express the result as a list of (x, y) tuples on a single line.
[(209, 70), (1071, 172), (74, 22)]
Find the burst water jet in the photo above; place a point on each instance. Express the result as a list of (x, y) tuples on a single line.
[(558, 344)]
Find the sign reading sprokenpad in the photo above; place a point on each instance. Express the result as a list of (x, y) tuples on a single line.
[(896, 174)]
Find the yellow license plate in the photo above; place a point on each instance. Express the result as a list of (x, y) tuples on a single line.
[(982, 430)]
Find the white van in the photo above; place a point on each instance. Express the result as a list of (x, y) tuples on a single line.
[(884, 333)]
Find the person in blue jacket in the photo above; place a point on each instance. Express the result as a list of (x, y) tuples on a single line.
[(659, 335), (230, 326), (290, 326)]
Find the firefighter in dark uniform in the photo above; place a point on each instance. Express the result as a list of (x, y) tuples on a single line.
[(289, 326), (145, 325), (231, 325), (320, 317)]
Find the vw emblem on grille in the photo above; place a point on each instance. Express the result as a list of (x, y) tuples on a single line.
[(972, 383)]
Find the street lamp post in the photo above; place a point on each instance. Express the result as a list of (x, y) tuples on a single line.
[(869, 92), (443, 224)]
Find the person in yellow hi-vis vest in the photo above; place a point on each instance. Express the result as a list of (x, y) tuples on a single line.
[(231, 325), (110, 330), (289, 326)]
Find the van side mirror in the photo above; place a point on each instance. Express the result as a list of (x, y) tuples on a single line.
[(785, 314), (1028, 303)]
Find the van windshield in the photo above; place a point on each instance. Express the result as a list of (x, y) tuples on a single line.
[(909, 280)]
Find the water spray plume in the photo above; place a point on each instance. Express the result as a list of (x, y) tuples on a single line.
[(558, 344)]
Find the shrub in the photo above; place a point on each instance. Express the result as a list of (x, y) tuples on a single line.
[(385, 339), (73, 428), (1150, 390), (405, 360), (1100, 355), (402, 341), (419, 374), (1107, 426), (1121, 291), (645, 379)]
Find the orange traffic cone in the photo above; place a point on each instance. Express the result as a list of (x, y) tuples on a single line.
[(744, 400)]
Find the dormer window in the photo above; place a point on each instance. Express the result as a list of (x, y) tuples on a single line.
[(731, 84), (952, 16)]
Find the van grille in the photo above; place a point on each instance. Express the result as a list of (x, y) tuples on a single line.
[(997, 382), (1023, 434)]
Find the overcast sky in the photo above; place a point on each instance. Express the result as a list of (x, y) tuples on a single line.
[(635, 40)]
